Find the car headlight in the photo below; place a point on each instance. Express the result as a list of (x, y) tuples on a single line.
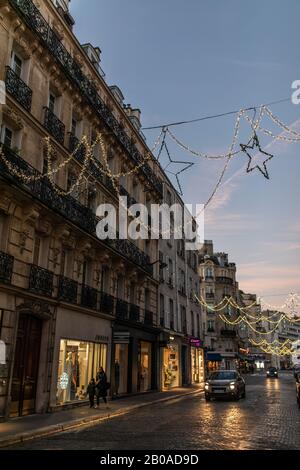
[(206, 386), (232, 385), (268, 373)]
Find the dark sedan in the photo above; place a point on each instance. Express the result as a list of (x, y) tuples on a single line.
[(225, 383), (272, 372)]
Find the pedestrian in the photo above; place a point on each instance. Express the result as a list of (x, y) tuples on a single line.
[(101, 387), (91, 392)]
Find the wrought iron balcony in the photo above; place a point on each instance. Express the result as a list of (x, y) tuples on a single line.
[(67, 290), (69, 208), (134, 313), (224, 280), (89, 297), (40, 281), (209, 278), (37, 23), (54, 126), (106, 303), (75, 146), (148, 319), (6, 267), (228, 333), (18, 89), (121, 309)]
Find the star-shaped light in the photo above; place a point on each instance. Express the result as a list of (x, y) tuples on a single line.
[(187, 165), (255, 144)]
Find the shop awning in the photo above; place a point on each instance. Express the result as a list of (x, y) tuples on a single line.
[(213, 357)]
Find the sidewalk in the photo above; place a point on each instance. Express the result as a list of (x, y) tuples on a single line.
[(36, 426)]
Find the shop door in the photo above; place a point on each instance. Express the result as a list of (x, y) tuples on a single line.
[(24, 382), (184, 365)]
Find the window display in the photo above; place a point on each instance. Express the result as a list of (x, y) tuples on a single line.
[(78, 364), (145, 364), (171, 366), (197, 359), (121, 368)]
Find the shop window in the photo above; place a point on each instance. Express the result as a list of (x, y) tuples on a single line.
[(171, 366), (121, 369), (78, 363), (144, 366)]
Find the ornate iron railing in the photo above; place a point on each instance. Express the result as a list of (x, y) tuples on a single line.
[(37, 23), (75, 146), (16, 87), (6, 267), (40, 281), (89, 297), (67, 290), (54, 126), (148, 319), (134, 313), (121, 309), (69, 208), (106, 303), (224, 280)]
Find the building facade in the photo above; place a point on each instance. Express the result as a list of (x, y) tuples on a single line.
[(69, 302)]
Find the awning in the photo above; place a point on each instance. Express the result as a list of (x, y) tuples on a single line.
[(213, 357)]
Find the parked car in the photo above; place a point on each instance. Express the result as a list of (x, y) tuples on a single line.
[(225, 383), (272, 372), (296, 370), (298, 388)]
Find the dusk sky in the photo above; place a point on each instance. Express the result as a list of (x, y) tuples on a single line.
[(178, 60)]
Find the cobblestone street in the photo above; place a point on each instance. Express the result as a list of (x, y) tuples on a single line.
[(268, 418)]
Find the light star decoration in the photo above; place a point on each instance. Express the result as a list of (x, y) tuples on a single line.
[(255, 144)]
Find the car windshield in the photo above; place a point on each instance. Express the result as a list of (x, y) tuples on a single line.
[(272, 369), (223, 375)]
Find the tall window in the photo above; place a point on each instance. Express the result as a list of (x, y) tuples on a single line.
[(210, 326), (183, 319), (52, 101), (162, 310), (36, 250), (198, 325), (87, 272), (171, 308), (192, 324), (73, 127), (17, 65), (8, 137), (3, 231)]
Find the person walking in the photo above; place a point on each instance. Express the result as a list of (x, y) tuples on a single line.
[(91, 392), (101, 387)]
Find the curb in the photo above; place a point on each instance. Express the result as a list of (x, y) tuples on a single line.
[(84, 422)]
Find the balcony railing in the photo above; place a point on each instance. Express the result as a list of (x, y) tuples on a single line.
[(210, 295), (37, 23), (18, 89), (89, 297), (228, 333), (54, 126), (121, 309), (67, 290), (6, 267), (76, 147), (224, 280), (106, 303), (40, 281), (148, 319), (69, 208), (209, 278), (134, 313)]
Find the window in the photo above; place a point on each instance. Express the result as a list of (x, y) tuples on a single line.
[(183, 319), (3, 231), (36, 250), (17, 65), (170, 273), (74, 127), (162, 310), (198, 326), (52, 101), (210, 326), (8, 137), (171, 307), (192, 324)]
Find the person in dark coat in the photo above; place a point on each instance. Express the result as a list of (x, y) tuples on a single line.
[(101, 386), (91, 388)]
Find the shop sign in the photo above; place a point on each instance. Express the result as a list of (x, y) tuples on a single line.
[(64, 381), (121, 337), (196, 343), (101, 339)]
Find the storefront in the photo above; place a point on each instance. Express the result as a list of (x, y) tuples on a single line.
[(135, 357), (197, 361), (213, 361), (82, 346), (171, 365), (79, 361)]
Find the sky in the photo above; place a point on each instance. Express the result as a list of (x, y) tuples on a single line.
[(179, 60)]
